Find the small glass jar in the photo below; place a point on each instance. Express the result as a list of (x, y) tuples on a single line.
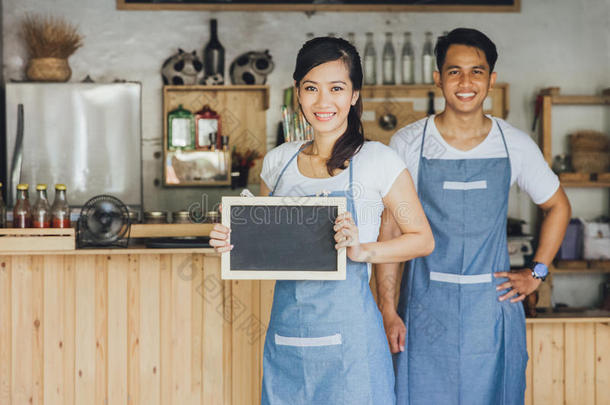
[(181, 217), (155, 217), (212, 217), (561, 164), (134, 217)]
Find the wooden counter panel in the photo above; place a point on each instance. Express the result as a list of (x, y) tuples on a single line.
[(569, 363), (162, 328)]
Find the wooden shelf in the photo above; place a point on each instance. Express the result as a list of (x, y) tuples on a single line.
[(580, 266), (287, 6), (550, 96)]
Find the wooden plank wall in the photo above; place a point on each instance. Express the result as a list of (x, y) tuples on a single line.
[(129, 329), (165, 329)]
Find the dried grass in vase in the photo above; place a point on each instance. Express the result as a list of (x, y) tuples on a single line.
[(50, 37)]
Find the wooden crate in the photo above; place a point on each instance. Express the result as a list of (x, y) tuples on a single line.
[(34, 239)]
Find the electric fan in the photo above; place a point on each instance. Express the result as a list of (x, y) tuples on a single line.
[(103, 222)]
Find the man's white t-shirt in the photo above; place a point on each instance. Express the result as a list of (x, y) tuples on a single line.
[(528, 167), (375, 168)]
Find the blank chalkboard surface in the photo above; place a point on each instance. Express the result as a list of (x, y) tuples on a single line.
[(283, 238)]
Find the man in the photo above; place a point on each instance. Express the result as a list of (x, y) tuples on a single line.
[(464, 341)]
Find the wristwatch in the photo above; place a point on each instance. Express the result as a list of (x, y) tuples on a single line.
[(539, 270)]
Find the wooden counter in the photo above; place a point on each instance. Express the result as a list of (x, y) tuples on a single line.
[(159, 326)]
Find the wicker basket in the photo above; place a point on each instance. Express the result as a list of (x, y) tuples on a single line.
[(594, 141), (591, 162), (48, 70)]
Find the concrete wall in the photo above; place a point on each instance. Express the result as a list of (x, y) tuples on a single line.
[(549, 43)]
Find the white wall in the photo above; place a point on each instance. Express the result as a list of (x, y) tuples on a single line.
[(549, 43)]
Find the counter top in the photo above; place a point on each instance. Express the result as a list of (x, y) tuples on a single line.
[(114, 251)]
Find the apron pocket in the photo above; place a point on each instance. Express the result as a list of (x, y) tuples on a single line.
[(481, 320), (309, 368)]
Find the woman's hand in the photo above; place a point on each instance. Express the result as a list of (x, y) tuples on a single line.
[(347, 236), (219, 238)]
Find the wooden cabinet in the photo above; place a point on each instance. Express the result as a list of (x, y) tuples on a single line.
[(242, 111)]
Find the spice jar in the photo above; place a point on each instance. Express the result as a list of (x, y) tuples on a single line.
[(155, 217), (181, 217), (212, 217)]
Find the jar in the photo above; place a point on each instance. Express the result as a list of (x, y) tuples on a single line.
[(212, 217), (134, 217), (561, 164), (155, 217), (181, 217)]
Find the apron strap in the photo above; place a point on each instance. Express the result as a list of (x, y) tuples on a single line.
[(350, 192), (277, 182), (510, 170)]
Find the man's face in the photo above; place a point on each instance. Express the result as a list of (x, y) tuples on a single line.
[(465, 79)]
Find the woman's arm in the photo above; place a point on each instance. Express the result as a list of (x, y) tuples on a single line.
[(414, 238)]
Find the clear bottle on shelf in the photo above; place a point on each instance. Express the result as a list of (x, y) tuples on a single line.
[(388, 61), (428, 60), (60, 210), (2, 210), (370, 61), (22, 212), (408, 61), (41, 211)]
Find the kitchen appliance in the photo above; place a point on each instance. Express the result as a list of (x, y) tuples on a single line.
[(84, 135), (518, 248), (103, 222)]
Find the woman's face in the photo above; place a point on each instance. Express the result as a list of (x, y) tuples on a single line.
[(326, 95)]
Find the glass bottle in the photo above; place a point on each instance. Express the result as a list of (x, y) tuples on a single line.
[(408, 61), (22, 212), (2, 210), (428, 60), (388, 61), (60, 210), (41, 211), (214, 55), (370, 61), (351, 37)]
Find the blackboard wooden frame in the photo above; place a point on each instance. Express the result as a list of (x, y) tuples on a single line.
[(228, 273), (488, 6)]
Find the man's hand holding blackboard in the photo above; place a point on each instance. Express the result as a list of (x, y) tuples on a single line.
[(220, 238), (347, 236)]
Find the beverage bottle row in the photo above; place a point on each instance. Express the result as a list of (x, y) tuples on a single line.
[(41, 214), (389, 60)]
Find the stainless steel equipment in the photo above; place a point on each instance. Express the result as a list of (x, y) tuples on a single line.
[(84, 135)]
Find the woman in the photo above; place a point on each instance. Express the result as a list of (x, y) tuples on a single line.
[(325, 343)]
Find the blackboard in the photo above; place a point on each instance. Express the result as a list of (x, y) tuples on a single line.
[(282, 238), (325, 5)]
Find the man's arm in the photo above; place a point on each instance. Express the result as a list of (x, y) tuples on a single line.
[(386, 277), (557, 213)]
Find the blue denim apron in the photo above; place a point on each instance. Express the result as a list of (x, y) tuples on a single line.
[(325, 343), (464, 347)]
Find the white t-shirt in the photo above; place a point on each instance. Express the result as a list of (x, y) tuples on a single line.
[(528, 167), (375, 168)]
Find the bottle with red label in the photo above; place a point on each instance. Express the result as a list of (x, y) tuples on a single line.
[(41, 211), (22, 212), (60, 210)]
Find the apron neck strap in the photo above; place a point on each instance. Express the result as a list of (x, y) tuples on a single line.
[(277, 182)]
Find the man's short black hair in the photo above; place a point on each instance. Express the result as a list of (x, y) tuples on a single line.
[(468, 37)]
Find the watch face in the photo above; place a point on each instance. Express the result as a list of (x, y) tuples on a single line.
[(541, 270)]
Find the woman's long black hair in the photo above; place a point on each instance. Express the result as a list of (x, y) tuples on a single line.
[(328, 49)]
